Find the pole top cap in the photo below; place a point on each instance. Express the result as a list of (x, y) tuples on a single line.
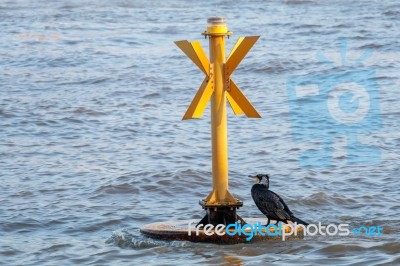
[(212, 21), (216, 26)]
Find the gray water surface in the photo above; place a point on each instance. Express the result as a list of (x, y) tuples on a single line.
[(92, 145)]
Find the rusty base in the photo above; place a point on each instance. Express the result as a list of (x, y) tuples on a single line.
[(221, 213), (179, 230)]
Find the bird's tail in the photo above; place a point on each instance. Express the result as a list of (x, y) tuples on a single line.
[(299, 221)]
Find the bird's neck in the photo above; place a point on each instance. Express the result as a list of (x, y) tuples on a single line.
[(264, 183)]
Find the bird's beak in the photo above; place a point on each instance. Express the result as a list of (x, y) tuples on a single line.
[(255, 178)]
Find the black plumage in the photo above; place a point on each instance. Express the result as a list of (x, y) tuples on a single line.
[(270, 203)]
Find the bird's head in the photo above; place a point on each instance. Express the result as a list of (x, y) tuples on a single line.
[(261, 179)]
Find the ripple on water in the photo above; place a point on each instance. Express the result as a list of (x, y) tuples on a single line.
[(123, 188), (125, 239), (322, 198)]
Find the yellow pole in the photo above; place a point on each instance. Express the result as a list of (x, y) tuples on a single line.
[(218, 120), (216, 31), (219, 87)]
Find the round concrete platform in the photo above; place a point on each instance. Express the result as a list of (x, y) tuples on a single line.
[(252, 231)]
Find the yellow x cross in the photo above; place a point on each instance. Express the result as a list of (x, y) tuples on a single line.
[(238, 101)]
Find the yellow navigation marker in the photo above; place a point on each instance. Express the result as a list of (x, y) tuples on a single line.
[(219, 87)]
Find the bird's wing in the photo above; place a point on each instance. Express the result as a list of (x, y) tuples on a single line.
[(285, 207), (269, 203)]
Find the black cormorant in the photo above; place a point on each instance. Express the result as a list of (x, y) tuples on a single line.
[(269, 203)]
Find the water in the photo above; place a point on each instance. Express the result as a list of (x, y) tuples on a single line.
[(92, 145)]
